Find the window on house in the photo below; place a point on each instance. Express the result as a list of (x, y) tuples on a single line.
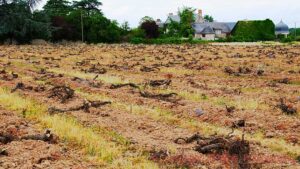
[(203, 35)]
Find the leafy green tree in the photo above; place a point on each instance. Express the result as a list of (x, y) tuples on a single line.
[(89, 6), (173, 29), (125, 28), (19, 23), (208, 18), (86, 10), (41, 26), (97, 28), (187, 18), (101, 29), (29, 3), (137, 33), (146, 19), (57, 8), (150, 28)]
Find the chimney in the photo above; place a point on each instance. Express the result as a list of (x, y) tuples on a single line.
[(200, 13), (200, 18)]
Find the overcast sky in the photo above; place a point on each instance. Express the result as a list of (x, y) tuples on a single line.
[(222, 10)]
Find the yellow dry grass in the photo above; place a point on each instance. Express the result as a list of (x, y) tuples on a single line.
[(162, 115), (96, 145)]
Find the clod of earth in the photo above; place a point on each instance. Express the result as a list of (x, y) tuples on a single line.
[(116, 86), (63, 93), (77, 79), (46, 137), (156, 83), (244, 70), (49, 158), (95, 84), (22, 86), (91, 83), (148, 69), (240, 70), (229, 70), (6, 138), (86, 105), (158, 155), (18, 86), (96, 70), (48, 75), (170, 97), (82, 63), (286, 108), (238, 124), (43, 71), (191, 139), (8, 77), (2, 71), (3, 152), (230, 109), (284, 81), (260, 72), (213, 144)]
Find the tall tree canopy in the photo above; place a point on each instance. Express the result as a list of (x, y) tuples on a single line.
[(57, 7), (150, 28), (19, 23), (187, 18), (59, 19), (146, 19), (208, 18), (88, 5)]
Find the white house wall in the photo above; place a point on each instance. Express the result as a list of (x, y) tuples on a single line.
[(207, 36)]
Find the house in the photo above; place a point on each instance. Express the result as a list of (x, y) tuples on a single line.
[(206, 30), (172, 17), (282, 29), (159, 23), (213, 30)]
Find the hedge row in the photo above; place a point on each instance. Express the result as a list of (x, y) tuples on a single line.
[(250, 31), (167, 41)]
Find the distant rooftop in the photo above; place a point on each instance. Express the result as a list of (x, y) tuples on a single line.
[(281, 27), (208, 27)]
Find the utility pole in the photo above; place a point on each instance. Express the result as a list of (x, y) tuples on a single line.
[(295, 29), (82, 39)]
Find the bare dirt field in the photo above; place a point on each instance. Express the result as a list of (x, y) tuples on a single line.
[(150, 106)]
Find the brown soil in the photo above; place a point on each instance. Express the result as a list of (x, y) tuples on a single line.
[(227, 83), (31, 153)]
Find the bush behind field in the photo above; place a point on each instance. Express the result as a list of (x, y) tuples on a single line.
[(252, 31), (170, 40)]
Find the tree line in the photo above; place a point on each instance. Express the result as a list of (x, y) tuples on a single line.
[(81, 20), (58, 20)]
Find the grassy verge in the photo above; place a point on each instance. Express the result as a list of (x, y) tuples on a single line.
[(96, 145)]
